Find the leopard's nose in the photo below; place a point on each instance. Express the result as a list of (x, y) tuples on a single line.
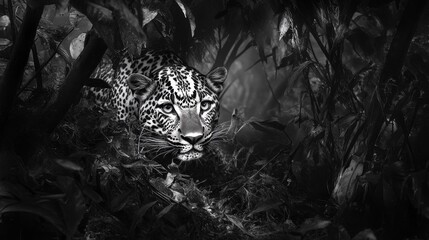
[(192, 138)]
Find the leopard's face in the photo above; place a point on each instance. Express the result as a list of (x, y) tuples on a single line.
[(178, 110)]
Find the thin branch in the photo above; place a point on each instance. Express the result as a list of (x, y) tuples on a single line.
[(37, 67), (44, 64)]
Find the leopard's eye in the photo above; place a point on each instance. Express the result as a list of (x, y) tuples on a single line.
[(167, 107), (205, 105)]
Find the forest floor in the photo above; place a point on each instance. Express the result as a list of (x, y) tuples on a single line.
[(234, 192)]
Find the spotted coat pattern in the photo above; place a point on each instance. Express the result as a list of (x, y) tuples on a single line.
[(175, 103)]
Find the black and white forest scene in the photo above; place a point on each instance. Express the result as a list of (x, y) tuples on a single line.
[(214, 119)]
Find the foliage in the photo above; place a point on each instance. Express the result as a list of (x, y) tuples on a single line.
[(331, 145)]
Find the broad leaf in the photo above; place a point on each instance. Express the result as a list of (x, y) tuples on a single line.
[(73, 207), (266, 205), (313, 224), (165, 211), (67, 164), (284, 24)]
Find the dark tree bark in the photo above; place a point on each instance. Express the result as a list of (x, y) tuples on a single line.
[(13, 74)]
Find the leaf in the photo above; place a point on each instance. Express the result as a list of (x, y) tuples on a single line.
[(13, 191), (178, 196), (287, 60), (75, 17), (349, 132), (120, 201), (93, 195), (50, 214), (419, 192), (315, 84), (77, 45), (236, 221), (67, 164), (139, 214), (347, 119), (366, 234), (316, 131), (313, 224), (149, 15), (52, 197), (297, 72), (164, 211), (260, 163), (4, 21), (360, 74), (266, 205), (353, 140), (347, 180), (262, 56), (73, 208), (284, 25), (169, 179), (182, 6), (235, 123), (192, 24), (119, 27), (188, 14)]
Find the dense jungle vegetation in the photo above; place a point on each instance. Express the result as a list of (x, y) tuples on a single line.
[(325, 112)]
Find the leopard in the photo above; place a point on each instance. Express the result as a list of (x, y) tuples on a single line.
[(176, 106)]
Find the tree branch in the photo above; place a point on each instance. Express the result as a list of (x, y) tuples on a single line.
[(13, 74), (82, 69)]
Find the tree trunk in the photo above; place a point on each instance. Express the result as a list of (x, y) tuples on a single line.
[(13, 74), (32, 137)]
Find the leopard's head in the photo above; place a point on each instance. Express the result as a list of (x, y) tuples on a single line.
[(178, 110)]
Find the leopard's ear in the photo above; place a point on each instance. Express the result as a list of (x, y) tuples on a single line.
[(216, 78), (141, 85)]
